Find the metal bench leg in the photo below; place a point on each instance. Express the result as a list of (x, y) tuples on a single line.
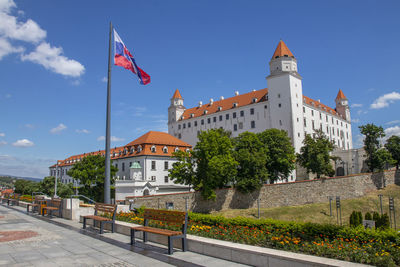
[(101, 227), (132, 236), (170, 247), (184, 244), (112, 227), (144, 237), (84, 223)]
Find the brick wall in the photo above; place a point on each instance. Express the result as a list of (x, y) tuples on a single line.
[(276, 195)]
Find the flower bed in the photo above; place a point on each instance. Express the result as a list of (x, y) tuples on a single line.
[(376, 247)]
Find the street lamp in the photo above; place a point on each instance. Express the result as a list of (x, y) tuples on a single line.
[(55, 182)]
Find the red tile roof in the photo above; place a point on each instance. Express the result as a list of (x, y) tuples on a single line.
[(244, 100), (177, 94), (226, 104), (340, 95), (282, 50), (159, 140)]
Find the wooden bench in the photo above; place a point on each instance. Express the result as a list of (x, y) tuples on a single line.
[(102, 209), (14, 200), (55, 204), (35, 204), (177, 217)]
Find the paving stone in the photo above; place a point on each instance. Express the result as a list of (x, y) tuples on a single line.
[(6, 259)]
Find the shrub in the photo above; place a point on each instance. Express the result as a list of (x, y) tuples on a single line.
[(368, 216)]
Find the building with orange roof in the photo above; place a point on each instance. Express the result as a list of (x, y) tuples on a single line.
[(282, 105), (142, 164)]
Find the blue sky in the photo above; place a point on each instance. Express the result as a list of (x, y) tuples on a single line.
[(53, 64)]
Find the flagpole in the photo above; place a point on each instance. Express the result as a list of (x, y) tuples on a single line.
[(108, 123)]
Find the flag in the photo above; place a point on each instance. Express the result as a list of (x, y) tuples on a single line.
[(124, 58)]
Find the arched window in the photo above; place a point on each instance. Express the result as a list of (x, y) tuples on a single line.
[(187, 150), (153, 149), (176, 149), (165, 150), (139, 148), (132, 149)]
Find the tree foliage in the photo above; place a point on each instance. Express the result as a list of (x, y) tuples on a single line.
[(253, 158), (25, 187), (314, 155), (376, 156), (90, 171), (245, 162), (393, 146), (47, 186), (280, 153)]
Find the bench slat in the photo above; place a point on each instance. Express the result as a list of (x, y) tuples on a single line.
[(165, 215), (156, 230)]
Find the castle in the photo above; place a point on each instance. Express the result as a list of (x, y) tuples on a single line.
[(282, 106)]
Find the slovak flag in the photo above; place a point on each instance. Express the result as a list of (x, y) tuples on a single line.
[(123, 58)]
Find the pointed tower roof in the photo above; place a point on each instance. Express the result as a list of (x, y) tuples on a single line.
[(282, 50), (340, 95), (177, 94)]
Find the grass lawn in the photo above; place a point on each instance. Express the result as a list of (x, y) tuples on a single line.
[(319, 212)]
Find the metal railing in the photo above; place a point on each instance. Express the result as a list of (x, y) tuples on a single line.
[(36, 193), (91, 201)]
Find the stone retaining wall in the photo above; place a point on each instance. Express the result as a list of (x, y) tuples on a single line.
[(276, 195)]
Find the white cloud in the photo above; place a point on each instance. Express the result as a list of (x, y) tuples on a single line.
[(104, 79), (355, 120), (52, 59), (61, 127), (359, 141), (356, 105), (3, 143), (6, 5), (82, 131), (23, 143), (2, 134), (393, 122), (395, 130), (385, 100), (8, 95), (29, 126), (113, 139), (6, 48), (25, 167)]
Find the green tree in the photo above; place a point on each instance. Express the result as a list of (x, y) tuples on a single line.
[(376, 157), (25, 187), (280, 153), (90, 171), (47, 186), (212, 165), (393, 146), (314, 155), (252, 156)]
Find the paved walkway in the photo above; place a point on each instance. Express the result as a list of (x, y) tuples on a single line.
[(32, 240)]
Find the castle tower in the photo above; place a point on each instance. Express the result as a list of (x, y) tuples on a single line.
[(175, 111), (285, 95), (342, 105)]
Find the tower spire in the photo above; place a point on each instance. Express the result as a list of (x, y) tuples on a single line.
[(340, 95), (177, 95), (282, 50)]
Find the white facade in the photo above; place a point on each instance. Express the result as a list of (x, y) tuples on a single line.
[(142, 166), (282, 106)]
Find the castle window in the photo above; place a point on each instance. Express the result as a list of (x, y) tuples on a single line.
[(153, 178), (153, 149), (215, 119), (240, 125), (265, 107), (235, 127), (165, 179), (241, 113), (123, 166), (219, 108), (280, 122), (305, 122), (209, 120), (195, 124), (165, 165), (279, 105), (253, 124), (176, 149), (254, 100), (327, 129), (341, 123), (304, 109), (220, 117), (312, 112), (346, 125), (189, 125), (297, 119), (165, 149), (205, 112), (202, 122), (179, 136), (153, 165), (298, 134), (320, 115), (234, 115), (184, 126), (313, 125), (130, 164), (179, 127), (191, 115), (252, 111), (227, 117), (279, 95), (235, 105)]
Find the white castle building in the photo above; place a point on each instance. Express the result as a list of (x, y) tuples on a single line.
[(282, 105), (142, 164)]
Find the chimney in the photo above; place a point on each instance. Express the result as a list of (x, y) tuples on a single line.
[(211, 101), (200, 104), (222, 98), (254, 90), (236, 92)]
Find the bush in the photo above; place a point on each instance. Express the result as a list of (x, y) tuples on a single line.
[(368, 216), (355, 218)]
